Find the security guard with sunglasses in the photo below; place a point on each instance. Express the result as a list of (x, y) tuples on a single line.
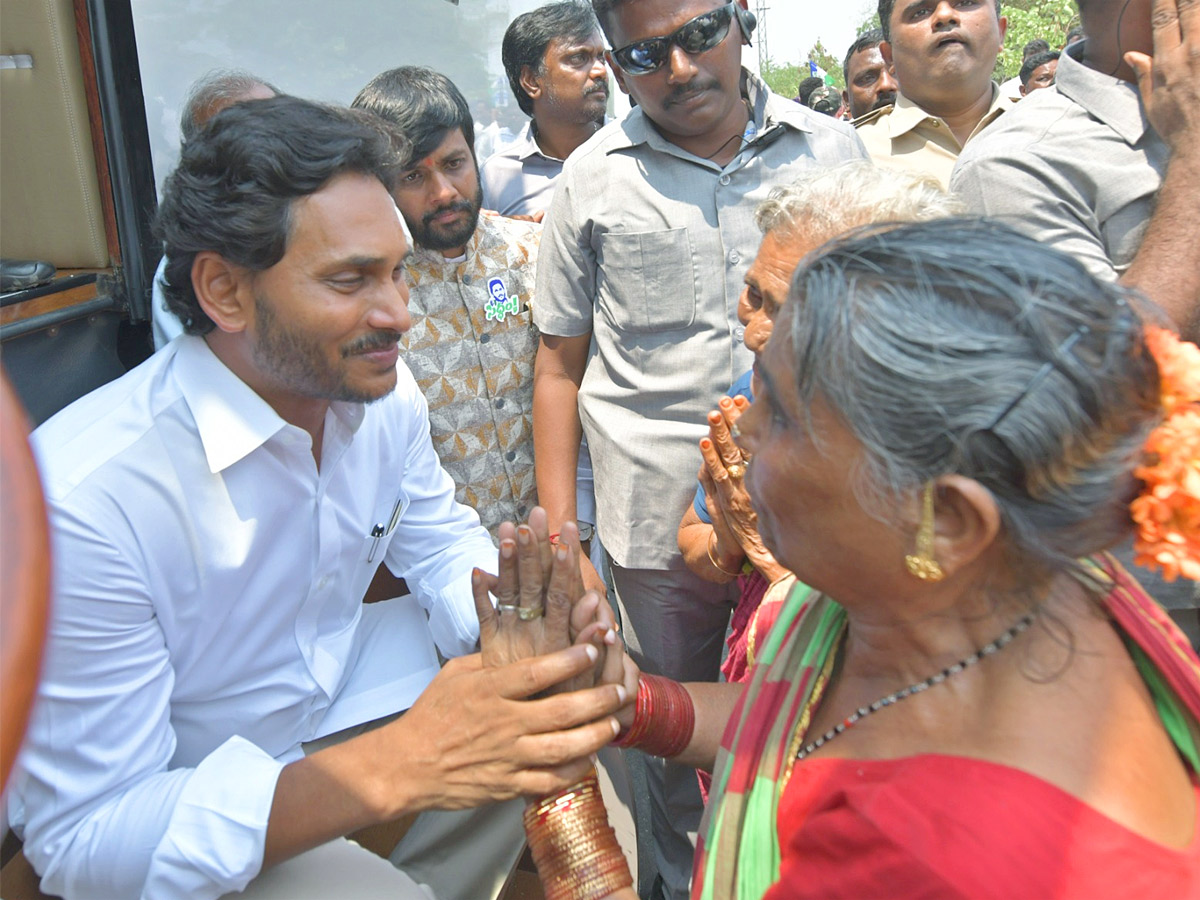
[(641, 265)]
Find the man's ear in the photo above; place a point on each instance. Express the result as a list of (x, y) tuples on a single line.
[(618, 72), (885, 50), (529, 82), (1003, 30), (846, 98), (223, 290)]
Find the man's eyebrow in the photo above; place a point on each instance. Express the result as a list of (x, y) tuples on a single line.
[(912, 6), (354, 262)]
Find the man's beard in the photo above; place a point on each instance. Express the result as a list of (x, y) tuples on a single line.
[(436, 237), (887, 98), (296, 361)]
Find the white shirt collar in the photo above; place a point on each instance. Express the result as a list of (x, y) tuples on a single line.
[(232, 420)]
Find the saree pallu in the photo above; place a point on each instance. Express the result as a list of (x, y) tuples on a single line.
[(738, 855)]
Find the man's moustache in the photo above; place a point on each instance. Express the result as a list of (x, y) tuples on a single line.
[(460, 206), (377, 340), (686, 91)]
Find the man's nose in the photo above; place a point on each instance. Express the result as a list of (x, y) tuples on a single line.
[(391, 313), (945, 14), (599, 71), (441, 189), (680, 66), (887, 82)]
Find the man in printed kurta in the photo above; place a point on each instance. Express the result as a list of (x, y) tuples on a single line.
[(471, 277)]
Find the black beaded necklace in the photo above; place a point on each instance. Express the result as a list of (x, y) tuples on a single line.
[(965, 663)]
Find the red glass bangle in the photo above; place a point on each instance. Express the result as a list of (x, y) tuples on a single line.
[(663, 720)]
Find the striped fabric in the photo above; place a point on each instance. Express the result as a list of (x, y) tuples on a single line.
[(738, 853)]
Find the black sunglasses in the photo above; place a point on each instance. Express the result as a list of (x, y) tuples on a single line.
[(694, 36)]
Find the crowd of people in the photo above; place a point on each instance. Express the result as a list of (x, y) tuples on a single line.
[(811, 454)]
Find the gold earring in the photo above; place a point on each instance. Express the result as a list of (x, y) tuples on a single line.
[(922, 564)]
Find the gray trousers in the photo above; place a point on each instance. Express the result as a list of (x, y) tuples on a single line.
[(674, 625)]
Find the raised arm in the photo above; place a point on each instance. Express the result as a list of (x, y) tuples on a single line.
[(1167, 266)]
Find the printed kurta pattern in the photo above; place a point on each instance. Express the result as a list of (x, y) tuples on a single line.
[(471, 349)]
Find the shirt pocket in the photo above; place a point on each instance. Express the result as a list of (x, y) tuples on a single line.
[(1123, 232), (379, 538), (647, 282)]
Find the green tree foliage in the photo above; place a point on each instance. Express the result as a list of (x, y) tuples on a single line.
[(1028, 20), (1049, 20), (827, 61), (783, 79), (871, 21)]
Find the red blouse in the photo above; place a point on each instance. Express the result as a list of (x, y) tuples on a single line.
[(935, 826)]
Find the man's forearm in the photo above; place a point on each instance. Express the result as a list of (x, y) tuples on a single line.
[(556, 427), (556, 436), (1167, 267), (472, 737), (319, 798)]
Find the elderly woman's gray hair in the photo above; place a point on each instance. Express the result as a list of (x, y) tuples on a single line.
[(826, 202), (960, 346)]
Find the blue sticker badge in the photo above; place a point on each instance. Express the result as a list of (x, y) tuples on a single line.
[(501, 304)]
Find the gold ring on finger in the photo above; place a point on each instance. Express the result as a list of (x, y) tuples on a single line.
[(529, 613), (737, 470), (508, 607)]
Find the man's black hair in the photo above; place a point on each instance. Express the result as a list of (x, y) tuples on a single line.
[(885, 15), (1074, 34), (602, 10), (865, 41), (1037, 45), (807, 86), (423, 104), (237, 178), (528, 37), (1035, 62)]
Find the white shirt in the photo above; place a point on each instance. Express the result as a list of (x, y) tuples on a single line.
[(208, 619)]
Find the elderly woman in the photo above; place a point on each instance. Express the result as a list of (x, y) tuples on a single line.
[(971, 699), (718, 535)]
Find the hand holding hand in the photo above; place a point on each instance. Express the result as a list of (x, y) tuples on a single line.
[(537, 586), (474, 737)]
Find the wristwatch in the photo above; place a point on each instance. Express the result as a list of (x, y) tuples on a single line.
[(586, 531)]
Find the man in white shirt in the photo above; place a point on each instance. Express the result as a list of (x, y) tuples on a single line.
[(217, 515)]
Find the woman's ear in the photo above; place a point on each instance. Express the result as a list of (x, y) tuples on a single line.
[(223, 291), (966, 522)]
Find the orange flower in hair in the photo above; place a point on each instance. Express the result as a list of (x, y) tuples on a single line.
[(1167, 512)]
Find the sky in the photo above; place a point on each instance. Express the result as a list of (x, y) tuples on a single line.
[(793, 26)]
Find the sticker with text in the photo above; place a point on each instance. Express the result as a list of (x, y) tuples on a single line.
[(501, 304)]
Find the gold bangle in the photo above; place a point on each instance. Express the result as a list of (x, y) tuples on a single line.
[(575, 849), (712, 540)]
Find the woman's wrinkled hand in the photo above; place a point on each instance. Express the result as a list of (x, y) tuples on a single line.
[(735, 524)]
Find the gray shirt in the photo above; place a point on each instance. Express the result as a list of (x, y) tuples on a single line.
[(518, 180), (645, 247), (1076, 166)]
